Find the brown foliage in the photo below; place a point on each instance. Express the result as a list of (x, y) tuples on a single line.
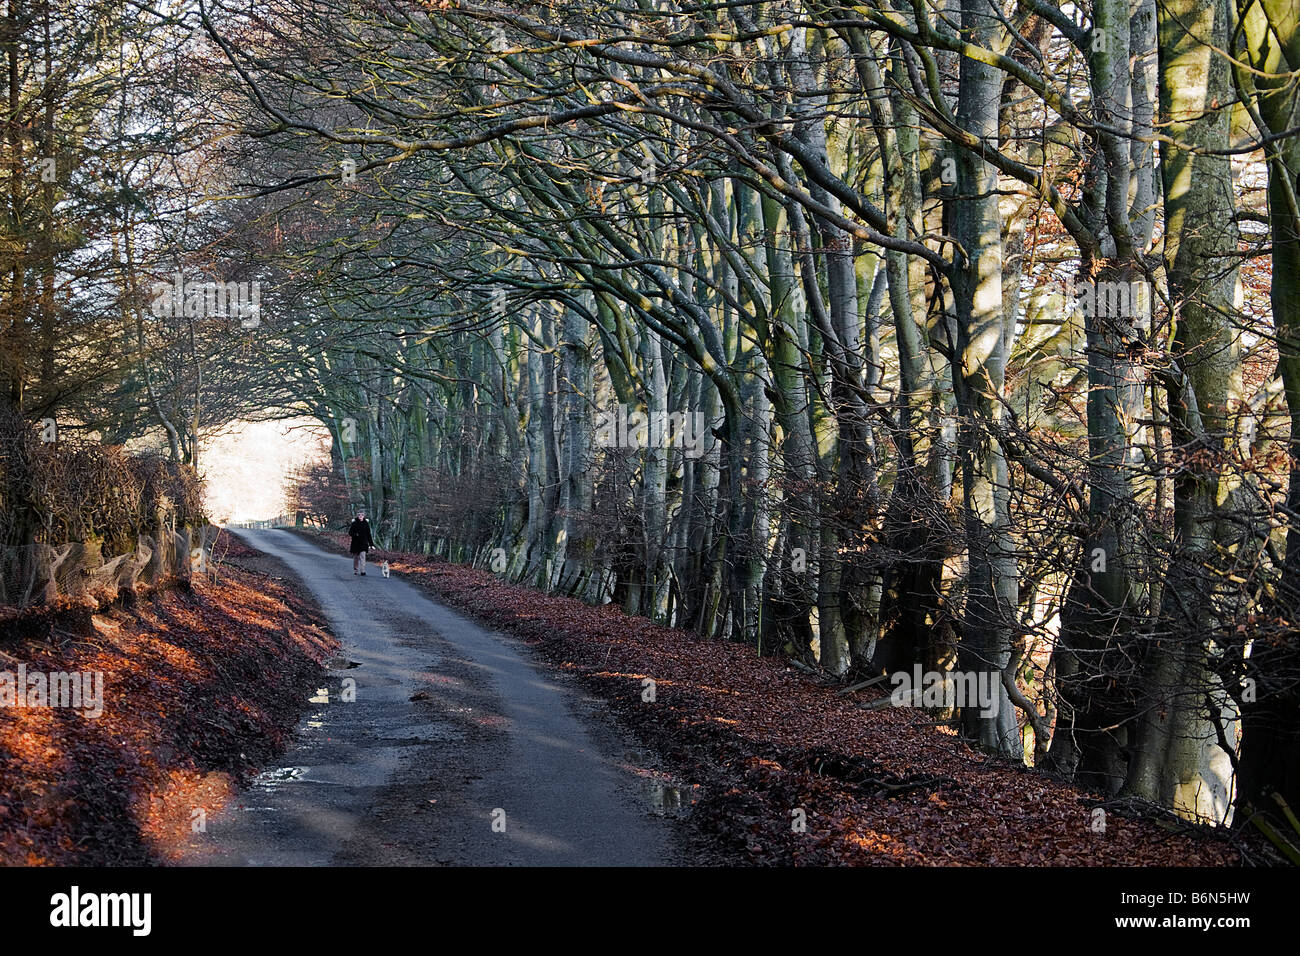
[(76, 490), (200, 689)]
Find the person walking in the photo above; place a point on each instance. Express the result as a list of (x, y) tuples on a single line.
[(362, 541)]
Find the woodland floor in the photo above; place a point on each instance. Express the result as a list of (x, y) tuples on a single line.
[(202, 688), (754, 739)]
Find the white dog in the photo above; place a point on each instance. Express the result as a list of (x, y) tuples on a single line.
[(383, 568)]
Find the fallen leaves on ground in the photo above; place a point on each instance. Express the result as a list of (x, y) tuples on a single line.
[(201, 688), (762, 741)]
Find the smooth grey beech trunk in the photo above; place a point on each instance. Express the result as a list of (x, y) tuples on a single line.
[(992, 592), (1176, 758), (1269, 761)]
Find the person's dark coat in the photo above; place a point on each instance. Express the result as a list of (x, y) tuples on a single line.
[(360, 532)]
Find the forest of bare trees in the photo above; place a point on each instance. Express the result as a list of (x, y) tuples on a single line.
[(959, 334)]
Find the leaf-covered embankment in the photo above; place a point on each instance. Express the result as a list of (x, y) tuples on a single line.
[(201, 688)]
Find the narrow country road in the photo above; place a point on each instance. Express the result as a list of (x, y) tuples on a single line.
[(458, 748)]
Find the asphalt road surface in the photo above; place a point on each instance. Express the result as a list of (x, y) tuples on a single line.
[(459, 748)]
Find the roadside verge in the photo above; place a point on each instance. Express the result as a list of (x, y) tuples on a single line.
[(199, 688)]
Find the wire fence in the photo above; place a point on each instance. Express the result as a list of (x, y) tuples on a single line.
[(300, 519), (280, 521)]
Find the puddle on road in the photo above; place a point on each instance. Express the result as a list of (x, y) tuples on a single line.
[(268, 781), (341, 664), (666, 799)]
